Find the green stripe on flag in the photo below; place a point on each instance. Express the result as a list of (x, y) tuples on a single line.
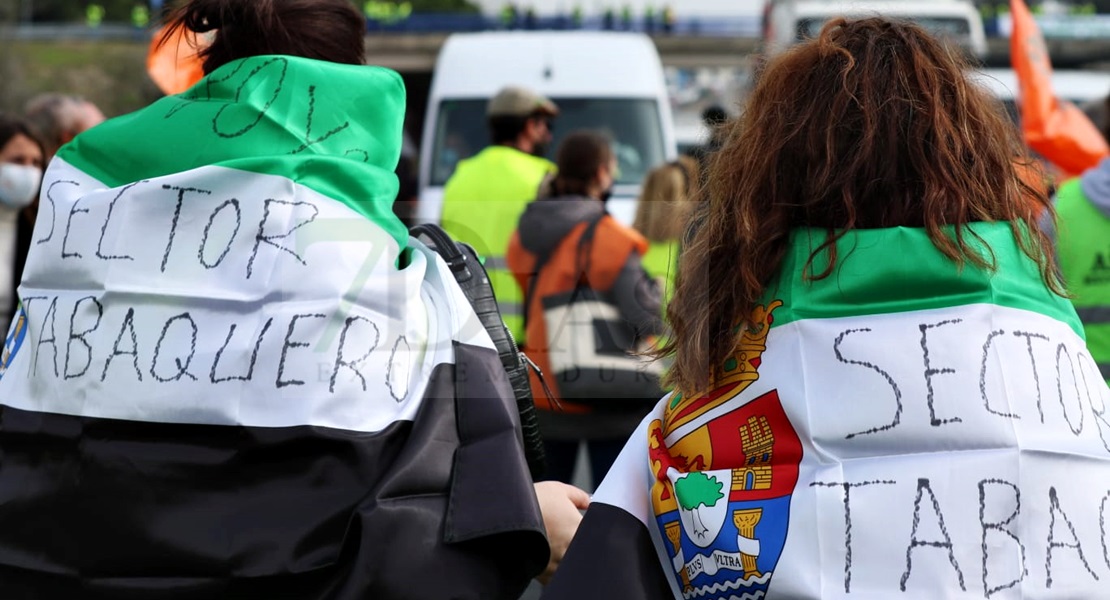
[(333, 128), (895, 270)]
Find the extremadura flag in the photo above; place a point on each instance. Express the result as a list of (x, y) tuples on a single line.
[(236, 376), (904, 428)]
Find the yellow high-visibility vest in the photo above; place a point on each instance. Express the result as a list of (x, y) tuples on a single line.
[(1083, 255), (482, 204), (661, 262)]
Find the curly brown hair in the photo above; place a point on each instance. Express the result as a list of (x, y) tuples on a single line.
[(871, 125)]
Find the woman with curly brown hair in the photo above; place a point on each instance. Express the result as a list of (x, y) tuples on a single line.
[(880, 389)]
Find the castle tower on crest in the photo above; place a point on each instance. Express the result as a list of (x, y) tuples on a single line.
[(757, 442)]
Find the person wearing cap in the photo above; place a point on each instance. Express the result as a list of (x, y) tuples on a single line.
[(484, 198)]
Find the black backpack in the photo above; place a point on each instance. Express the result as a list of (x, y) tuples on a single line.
[(472, 278)]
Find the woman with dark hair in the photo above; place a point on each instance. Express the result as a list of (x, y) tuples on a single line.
[(590, 306), (21, 158), (327, 30), (239, 376), (880, 389)]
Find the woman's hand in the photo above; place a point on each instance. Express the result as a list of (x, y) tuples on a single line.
[(560, 505)]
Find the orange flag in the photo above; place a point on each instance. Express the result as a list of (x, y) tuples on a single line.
[(1056, 129), (174, 66)]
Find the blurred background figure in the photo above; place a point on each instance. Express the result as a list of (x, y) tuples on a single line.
[(140, 15), (666, 201), (1082, 228), (715, 118), (21, 165), (649, 19), (576, 17), (589, 305), (58, 118), (509, 16), (668, 19), (94, 15), (483, 199), (1099, 113)]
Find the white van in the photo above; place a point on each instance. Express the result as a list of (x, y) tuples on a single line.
[(787, 22), (1078, 87), (609, 81)]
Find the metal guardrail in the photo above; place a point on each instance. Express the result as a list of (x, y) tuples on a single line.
[(65, 31), (1063, 27), (425, 23), (699, 26)]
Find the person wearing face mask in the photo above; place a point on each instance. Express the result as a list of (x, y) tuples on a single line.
[(21, 162), (590, 307)]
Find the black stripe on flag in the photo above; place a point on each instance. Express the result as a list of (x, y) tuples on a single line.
[(440, 507), (611, 557)]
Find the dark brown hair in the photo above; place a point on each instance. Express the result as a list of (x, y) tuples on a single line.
[(580, 155), (504, 129), (330, 30), (11, 126), (871, 125)]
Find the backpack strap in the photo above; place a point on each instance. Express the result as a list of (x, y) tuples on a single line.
[(582, 264), (471, 276)]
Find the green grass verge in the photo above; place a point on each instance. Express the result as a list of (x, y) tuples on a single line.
[(111, 73)]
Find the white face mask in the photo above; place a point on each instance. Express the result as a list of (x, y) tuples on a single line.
[(18, 184)]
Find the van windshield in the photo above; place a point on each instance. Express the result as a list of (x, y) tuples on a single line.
[(632, 123)]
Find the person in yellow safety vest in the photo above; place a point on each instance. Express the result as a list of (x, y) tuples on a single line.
[(1083, 254), (94, 15), (576, 16), (388, 13), (668, 19), (626, 17), (140, 15), (508, 16), (484, 198)]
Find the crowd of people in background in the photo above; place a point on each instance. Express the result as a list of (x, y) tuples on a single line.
[(21, 163), (653, 19), (27, 143), (567, 266)]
